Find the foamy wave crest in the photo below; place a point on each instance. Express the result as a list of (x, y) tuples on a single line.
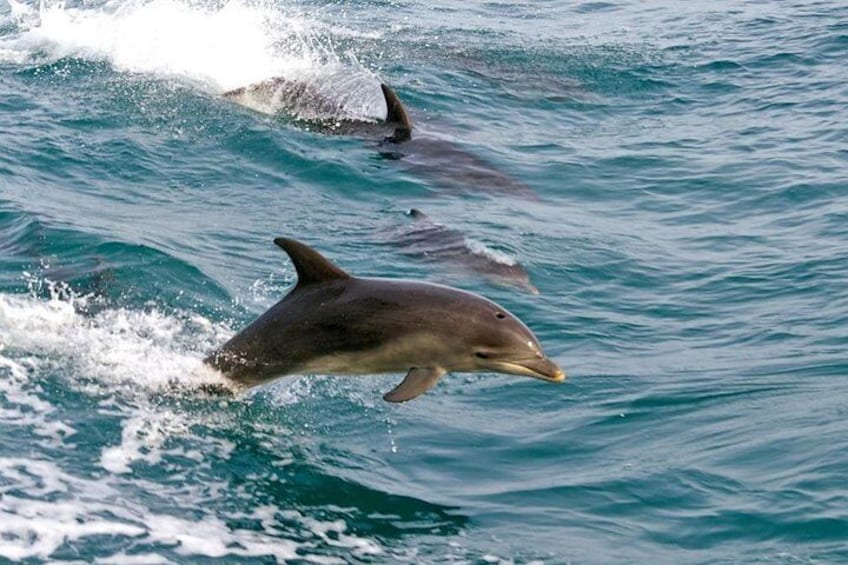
[(216, 48), (55, 496), (145, 349), (480, 248), (44, 508), (223, 47)]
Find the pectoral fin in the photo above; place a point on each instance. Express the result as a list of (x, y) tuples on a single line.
[(418, 381)]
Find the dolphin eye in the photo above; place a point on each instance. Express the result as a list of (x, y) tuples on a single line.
[(481, 355), (500, 315)]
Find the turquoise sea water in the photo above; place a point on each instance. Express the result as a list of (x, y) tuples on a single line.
[(673, 176)]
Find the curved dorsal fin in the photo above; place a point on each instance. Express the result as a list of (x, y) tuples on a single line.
[(396, 113), (311, 266)]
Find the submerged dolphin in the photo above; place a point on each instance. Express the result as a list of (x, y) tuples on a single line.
[(432, 241), (321, 105), (335, 323)]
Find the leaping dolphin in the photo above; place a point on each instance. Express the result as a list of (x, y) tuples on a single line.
[(335, 323)]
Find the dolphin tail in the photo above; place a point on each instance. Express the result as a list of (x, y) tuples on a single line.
[(396, 113)]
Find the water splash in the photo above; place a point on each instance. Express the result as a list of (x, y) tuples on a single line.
[(479, 248), (83, 509), (214, 48), (125, 357), (140, 349)]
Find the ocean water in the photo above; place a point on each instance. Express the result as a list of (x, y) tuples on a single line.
[(673, 177)]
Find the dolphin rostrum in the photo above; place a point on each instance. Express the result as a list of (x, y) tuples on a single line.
[(335, 323)]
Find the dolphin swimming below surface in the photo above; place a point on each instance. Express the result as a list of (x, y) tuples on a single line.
[(335, 323), (431, 241), (321, 105)]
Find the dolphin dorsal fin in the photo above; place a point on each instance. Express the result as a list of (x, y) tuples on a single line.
[(396, 113), (311, 266)]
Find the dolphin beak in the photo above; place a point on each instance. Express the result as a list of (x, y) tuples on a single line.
[(536, 367)]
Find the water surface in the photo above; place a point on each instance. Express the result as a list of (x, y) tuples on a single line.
[(672, 177)]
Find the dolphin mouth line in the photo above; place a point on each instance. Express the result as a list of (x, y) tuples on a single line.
[(543, 369)]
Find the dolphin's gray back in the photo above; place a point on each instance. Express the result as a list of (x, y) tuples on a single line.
[(300, 99), (324, 104), (353, 316), (455, 168)]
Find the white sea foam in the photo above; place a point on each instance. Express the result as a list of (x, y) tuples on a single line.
[(32, 525), (215, 48), (145, 349), (134, 353), (126, 356), (479, 248), (43, 507)]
